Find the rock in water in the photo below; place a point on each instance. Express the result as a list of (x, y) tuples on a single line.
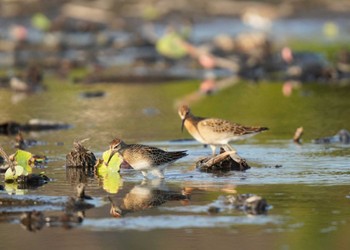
[(221, 163)]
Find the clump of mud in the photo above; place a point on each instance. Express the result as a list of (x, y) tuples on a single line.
[(80, 157)]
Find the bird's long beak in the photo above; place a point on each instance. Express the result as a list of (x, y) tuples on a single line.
[(183, 124), (110, 156)]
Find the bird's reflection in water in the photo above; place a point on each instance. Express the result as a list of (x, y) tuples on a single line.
[(73, 214), (148, 194)]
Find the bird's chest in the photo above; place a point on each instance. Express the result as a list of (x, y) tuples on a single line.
[(193, 130)]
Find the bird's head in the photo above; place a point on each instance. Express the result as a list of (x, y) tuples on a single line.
[(115, 211), (115, 146), (184, 112)]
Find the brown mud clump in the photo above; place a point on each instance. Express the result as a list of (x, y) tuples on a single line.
[(80, 157)]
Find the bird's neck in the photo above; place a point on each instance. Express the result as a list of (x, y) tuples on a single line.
[(123, 148), (192, 119)]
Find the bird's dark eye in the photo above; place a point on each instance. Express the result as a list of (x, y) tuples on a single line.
[(116, 144)]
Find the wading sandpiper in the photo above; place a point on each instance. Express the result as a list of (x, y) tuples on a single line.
[(145, 158), (213, 131)]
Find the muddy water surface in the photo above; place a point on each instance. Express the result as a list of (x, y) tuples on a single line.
[(306, 186)]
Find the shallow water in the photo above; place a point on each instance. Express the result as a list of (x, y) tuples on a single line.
[(308, 195)]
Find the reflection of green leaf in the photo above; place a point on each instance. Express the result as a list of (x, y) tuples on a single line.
[(112, 181), (12, 188), (10, 176), (171, 45), (23, 159)]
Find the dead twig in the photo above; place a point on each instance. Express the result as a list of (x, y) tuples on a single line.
[(6, 157)]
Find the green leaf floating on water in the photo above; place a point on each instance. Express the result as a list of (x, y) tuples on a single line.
[(11, 176), (24, 158), (41, 22), (171, 45), (113, 165)]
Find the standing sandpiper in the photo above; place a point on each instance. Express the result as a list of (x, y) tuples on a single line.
[(214, 131), (145, 158)]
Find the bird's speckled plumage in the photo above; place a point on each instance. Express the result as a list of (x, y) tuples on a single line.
[(145, 158), (215, 131)]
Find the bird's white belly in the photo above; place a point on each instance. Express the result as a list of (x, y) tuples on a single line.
[(223, 140), (141, 165)]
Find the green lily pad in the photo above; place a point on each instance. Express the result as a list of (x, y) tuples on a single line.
[(113, 165), (23, 158), (41, 22), (171, 45)]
